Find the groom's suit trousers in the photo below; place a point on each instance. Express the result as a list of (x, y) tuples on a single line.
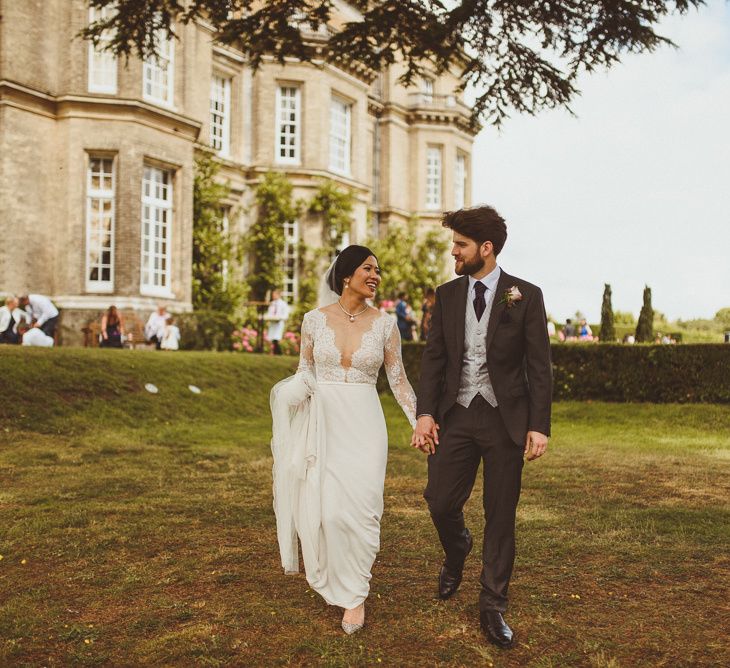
[(468, 436)]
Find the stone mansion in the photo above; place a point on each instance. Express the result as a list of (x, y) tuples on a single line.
[(97, 154)]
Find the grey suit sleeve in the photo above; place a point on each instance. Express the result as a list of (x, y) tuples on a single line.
[(539, 365), (432, 364)]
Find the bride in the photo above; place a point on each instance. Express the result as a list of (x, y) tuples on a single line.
[(330, 443)]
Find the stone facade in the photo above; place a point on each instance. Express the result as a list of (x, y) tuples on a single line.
[(57, 122)]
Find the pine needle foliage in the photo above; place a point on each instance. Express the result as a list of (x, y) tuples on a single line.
[(608, 331), (644, 328), (521, 56)]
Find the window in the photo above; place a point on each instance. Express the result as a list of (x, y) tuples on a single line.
[(340, 113), (159, 72), (100, 225), (156, 229), (433, 177), (291, 282), (288, 124), (220, 115), (102, 64), (460, 181), (427, 90)]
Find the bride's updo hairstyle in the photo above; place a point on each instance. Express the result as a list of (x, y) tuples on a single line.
[(347, 261)]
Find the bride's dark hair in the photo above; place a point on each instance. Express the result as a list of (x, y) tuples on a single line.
[(347, 261)]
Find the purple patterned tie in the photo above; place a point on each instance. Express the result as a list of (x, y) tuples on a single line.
[(479, 302)]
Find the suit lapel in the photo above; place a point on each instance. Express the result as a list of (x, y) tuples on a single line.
[(461, 289), (498, 306)]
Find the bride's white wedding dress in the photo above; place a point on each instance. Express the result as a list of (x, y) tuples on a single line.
[(330, 448)]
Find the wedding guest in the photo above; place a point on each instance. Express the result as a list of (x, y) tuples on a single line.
[(155, 326), (112, 329), (569, 330), (170, 336), (11, 315), (404, 315), (429, 299), (586, 333), (34, 336), (276, 315), (42, 311)]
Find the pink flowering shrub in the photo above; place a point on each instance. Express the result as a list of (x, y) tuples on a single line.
[(245, 340)]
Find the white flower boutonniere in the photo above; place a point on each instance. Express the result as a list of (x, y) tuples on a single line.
[(511, 296)]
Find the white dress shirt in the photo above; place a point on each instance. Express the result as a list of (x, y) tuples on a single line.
[(41, 308), (17, 315), (277, 314), (36, 337), (156, 325)]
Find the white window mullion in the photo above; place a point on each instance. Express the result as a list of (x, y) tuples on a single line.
[(100, 185), (340, 133), (460, 181), (102, 75), (288, 125), (291, 277), (220, 115), (158, 72), (433, 177), (157, 198)]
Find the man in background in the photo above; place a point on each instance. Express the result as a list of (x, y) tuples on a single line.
[(42, 311)]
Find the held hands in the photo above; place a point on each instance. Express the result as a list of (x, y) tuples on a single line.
[(425, 436), (535, 445)]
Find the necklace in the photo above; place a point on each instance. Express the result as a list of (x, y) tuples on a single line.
[(352, 315)]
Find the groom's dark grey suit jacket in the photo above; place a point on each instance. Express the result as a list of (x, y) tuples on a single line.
[(517, 350)]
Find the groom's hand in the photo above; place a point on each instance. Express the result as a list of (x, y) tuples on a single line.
[(425, 435), (535, 445)]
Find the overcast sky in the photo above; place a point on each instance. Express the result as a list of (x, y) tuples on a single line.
[(634, 191)]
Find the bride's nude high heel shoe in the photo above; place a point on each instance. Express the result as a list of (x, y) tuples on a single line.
[(349, 628)]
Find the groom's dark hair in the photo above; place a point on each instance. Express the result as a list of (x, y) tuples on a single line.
[(480, 224)]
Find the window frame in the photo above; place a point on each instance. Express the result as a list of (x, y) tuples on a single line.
[(92, 195), (94, 53), (346, 141), (291, 252), (434, 195), (296, 159), (168, 205), (460, 180), (224, 150), (150, 63)]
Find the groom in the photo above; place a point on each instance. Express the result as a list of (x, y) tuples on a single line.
[(484, 394)]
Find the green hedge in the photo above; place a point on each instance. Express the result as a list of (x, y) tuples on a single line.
[(696, 373), (206, 330)]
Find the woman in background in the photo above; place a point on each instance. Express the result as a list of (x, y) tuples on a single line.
[(112, 329)]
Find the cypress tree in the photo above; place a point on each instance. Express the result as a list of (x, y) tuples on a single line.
[(608, 332), (645, 326)]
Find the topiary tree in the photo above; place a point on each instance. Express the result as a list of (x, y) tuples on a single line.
[(644, 328), (215, 252), (608, 331), (275, 207)]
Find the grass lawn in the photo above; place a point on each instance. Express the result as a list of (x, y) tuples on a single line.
[(137, 529)]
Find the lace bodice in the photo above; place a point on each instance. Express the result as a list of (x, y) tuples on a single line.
[(378, 344)]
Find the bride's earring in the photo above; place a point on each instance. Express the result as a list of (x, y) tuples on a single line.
[(347, 283)]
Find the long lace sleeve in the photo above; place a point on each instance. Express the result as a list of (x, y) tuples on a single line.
[(397, 379), (306, 347)]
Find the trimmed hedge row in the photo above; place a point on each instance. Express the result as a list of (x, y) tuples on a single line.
[(696, 373)]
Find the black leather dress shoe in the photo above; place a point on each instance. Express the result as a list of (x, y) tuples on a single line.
[(496, 629), (450, 579)]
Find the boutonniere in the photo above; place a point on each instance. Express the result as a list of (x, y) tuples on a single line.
[(511, 296)]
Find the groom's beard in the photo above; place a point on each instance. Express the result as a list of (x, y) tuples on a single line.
[(469, 268)]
